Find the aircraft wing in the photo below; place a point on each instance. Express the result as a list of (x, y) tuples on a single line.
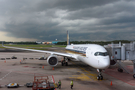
[(50, 52)]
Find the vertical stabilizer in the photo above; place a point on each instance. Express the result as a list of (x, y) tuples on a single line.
[(68, 41)]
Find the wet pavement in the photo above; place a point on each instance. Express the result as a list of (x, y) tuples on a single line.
[(84, 76)]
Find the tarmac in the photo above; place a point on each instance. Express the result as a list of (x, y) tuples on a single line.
[(84, 77)]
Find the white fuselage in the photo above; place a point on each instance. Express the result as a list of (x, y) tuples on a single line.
[(91, 54)]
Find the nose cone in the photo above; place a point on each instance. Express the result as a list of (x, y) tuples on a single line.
[(104, 63)]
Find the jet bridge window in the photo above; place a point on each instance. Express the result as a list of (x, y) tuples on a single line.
[(101, 54)]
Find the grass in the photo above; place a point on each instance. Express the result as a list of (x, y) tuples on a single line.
[(59, 45), (1, 46)]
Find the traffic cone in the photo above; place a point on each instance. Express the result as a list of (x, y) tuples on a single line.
[(43, 67), (53, 68), (111, 83), (5, 61), (20, 62)]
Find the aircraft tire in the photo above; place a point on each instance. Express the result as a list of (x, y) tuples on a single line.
[(120, 70), (98, 77), (62, 63), (101, 77), (134, 76)]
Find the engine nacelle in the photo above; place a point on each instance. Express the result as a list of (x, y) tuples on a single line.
[(52, 60)]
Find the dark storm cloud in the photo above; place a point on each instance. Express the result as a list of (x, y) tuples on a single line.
[(76, 4), (33, 30), (107, 10), (85, 19)]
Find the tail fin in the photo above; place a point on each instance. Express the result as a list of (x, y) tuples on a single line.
[(68, 41)]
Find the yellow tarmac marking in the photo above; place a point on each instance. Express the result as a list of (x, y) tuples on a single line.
[(87, 76), (71, 68), (92, 76), (81, 77)]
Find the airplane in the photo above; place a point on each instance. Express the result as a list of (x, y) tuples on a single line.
[(92, 54)]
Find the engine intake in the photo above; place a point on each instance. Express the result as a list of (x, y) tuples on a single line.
[(52, 60)]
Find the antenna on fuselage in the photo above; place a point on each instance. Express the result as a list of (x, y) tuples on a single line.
[(68, 41)]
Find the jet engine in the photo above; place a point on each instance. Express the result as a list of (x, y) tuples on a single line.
[(52, 60)]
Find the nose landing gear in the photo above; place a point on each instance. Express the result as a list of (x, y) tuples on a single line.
[(99, 77)]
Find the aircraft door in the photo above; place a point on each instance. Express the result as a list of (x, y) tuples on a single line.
[(127, 55), (117, 54)]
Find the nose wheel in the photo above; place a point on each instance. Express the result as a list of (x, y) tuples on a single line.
[(99, 77)]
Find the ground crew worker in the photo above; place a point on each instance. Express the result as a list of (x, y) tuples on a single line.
[(59, 84), (71, 83)]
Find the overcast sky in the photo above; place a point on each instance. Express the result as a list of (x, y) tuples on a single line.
[(47, 20)]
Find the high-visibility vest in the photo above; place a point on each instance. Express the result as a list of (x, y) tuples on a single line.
[(71, 83), (59, 83)]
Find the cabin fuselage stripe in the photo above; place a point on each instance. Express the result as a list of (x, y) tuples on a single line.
[(82, 53)]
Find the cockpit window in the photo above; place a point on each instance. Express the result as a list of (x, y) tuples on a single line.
[(101, 54)]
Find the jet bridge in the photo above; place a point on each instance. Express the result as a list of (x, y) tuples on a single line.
[(120, 52)]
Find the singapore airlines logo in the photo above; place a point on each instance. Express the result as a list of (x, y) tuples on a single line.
[(80, 48)]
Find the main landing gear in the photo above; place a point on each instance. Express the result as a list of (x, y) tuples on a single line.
[(64, 62), (120, 70), (99, 77)]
